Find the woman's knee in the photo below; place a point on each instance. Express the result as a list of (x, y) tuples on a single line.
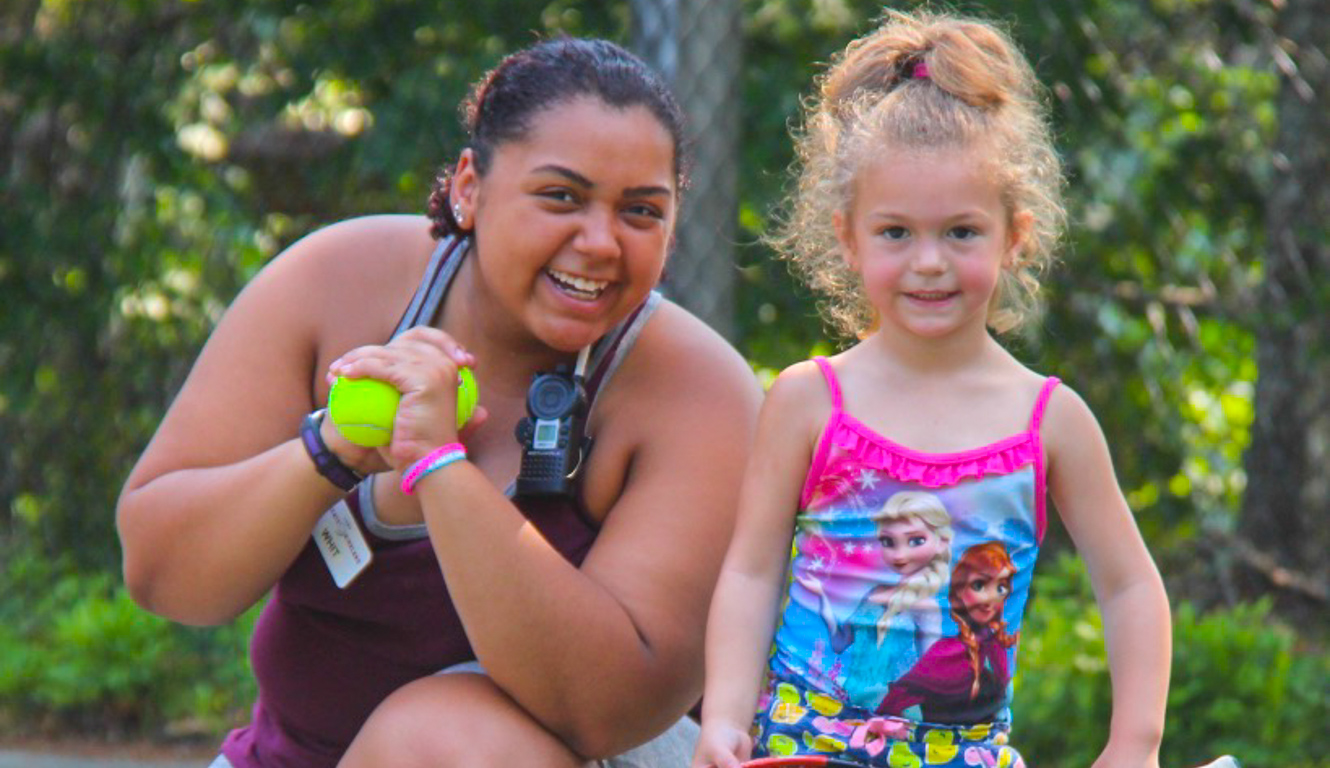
[(454, 720)]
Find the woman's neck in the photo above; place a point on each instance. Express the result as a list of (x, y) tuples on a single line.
[(504, 348)]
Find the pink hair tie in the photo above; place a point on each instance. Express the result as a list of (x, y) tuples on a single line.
[(920, 71)]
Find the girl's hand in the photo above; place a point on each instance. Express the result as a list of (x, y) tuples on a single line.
[(422, 364), (721, 745)]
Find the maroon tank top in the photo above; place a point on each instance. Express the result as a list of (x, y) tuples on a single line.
[(325, 657)]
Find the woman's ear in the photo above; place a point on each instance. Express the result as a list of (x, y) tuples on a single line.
[(1022, 227), (465, 189)]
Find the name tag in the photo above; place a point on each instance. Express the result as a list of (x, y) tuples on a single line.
[(342, 545)]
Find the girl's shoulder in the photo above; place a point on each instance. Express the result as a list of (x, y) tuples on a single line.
[(806, 384), (1069, 430)]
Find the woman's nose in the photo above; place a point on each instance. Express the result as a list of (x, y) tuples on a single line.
[(597, 236)]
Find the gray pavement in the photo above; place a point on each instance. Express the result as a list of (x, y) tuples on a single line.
[(20, 759)]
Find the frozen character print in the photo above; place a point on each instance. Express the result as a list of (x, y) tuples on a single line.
[(963, 679), (894, 624)]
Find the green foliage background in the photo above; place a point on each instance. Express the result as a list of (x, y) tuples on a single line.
[(156, 153)]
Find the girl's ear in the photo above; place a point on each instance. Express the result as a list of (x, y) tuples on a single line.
[(845, 238), (1022, 225)]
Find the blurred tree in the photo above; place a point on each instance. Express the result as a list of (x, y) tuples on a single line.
[(154, 155), (1288, 491)]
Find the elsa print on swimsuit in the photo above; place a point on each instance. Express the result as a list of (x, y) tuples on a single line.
[(873, 560), (875, 632), (892, 625)]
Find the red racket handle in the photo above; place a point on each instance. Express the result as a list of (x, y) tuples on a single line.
[(806, 761)]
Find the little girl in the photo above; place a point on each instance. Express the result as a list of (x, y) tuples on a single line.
[(928, 203)]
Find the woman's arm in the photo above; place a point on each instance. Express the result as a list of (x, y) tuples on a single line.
[(607, 654), (1127, 585), (225, 496), (743, 611)]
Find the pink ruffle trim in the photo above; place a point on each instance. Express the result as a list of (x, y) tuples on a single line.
[(933, 470)]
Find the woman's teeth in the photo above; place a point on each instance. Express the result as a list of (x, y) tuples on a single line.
[(580, 287)]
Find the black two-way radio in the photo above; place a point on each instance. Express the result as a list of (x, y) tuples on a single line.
[(553, 433)]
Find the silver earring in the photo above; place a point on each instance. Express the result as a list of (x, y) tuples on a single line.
[(457, 214)]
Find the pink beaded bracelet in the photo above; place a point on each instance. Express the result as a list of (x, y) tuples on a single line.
[(436, 459)]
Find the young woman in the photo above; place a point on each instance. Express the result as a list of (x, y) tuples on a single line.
[(575, 620)]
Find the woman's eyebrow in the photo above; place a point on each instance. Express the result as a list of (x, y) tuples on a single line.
[(568, 174), (648, 190)]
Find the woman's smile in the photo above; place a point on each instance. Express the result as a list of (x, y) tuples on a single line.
[(583, 288)]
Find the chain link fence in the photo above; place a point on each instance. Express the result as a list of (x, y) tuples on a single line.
[(696, 45)]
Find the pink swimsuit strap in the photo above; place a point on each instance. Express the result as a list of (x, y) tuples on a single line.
[(837, 402), (838, 399), (933, 469)]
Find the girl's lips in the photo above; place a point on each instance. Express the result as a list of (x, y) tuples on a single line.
[(932, 296)]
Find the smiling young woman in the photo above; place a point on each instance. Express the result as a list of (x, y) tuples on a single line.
[(486, 628)]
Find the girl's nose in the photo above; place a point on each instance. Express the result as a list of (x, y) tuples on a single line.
[(928, 258)]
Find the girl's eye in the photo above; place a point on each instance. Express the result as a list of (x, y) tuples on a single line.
[(964, 233), (978, 585), (1003, 589), (887, 542), (917, 541), (895, 233)]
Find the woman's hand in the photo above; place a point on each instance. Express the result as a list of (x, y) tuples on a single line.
[(722, 745), (422, 364)]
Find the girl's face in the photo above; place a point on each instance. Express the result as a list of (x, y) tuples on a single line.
[(908, 545), (929, 236), (573, 221), (984, 594)]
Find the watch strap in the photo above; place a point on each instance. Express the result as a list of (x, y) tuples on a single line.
[(325, 461)]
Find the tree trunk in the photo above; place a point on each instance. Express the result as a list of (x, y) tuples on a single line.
[(695, 44), (1286, 508)]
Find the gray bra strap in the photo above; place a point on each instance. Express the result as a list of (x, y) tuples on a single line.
[(608, 354)]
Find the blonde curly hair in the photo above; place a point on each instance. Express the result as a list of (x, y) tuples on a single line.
[(978, 88)]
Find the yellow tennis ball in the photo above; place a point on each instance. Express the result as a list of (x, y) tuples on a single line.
[(363, 410), (467, 395)]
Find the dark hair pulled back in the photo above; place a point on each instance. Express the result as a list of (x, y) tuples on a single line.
[(504, 104)]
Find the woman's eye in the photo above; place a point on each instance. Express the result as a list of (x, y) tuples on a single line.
[(644, 211), (559, 195)]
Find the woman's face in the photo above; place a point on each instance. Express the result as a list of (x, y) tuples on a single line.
[(573, 221), (908, 544), (984, 594)]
